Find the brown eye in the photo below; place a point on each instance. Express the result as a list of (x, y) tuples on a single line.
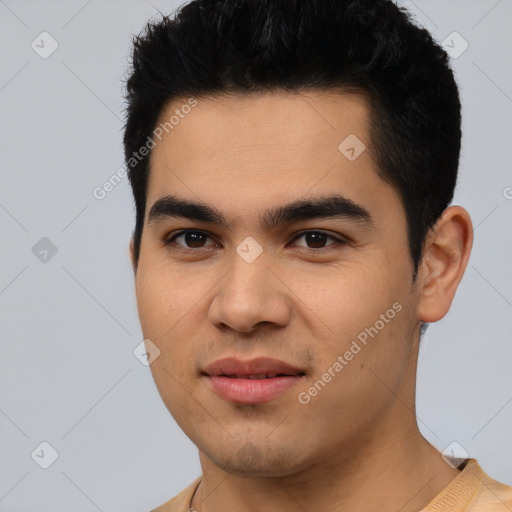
[(317, 239), (190, 239)]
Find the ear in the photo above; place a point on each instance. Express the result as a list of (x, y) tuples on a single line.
[(132, 255), (444, 261)]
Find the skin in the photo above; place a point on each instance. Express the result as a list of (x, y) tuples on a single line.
[(356, 445)]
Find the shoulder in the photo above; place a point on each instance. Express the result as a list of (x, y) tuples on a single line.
[(181, 502), (492, 496), (473, 491)]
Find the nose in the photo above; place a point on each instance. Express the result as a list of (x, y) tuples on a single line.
[(250, 294)]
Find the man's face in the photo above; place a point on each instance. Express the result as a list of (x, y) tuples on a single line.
[(291, 292)]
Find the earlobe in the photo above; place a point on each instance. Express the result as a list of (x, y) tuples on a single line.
[(444, 261)]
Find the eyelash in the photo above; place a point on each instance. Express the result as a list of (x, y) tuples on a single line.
[(169, 241)]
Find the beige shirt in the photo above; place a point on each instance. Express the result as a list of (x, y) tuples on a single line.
[(472, 490)]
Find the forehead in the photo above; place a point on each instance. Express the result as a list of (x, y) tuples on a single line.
[(265, 147), (302, 123)]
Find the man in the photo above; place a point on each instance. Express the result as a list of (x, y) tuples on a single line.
[(292, 165)]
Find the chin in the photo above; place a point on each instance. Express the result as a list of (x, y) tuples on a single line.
[(252, 461)]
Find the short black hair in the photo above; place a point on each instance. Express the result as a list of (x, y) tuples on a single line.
[(372, 47)]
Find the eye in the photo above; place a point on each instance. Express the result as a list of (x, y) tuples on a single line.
[(317, 239), (191, 239)]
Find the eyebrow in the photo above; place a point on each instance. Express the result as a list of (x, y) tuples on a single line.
[(334, 206)]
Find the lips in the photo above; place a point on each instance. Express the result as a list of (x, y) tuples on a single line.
[(259, 368), (251, 382), (256, 376)]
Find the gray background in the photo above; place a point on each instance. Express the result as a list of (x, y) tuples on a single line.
[(68, 375)]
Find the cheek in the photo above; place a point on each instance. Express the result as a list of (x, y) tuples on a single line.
[(343, 300), (161, 300), (152, 303), (163, 319), (360, 315), (169, 304)]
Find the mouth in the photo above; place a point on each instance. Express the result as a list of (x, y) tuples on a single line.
[(251, 382), (260, 376)]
